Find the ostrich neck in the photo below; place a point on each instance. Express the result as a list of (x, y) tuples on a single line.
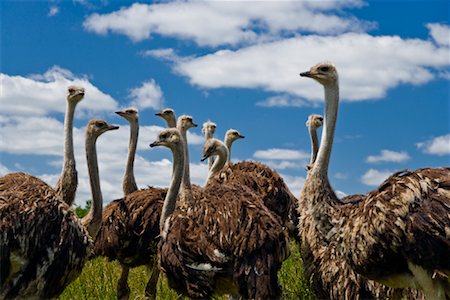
[(172, 192), (326, 142), (92, 221), (228, 143), (186, 189), (218, 163), (66, 185), (209, 135), (171, 123), (314, 144), (129, 182)]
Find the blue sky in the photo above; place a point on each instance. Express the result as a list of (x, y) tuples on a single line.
[(237, 64)]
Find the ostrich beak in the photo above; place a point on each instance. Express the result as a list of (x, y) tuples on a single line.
[(206, 155), (306, 74), (195, 125), (113, 127), (120, 113), (242, 136), (155, 144), (158, 114)]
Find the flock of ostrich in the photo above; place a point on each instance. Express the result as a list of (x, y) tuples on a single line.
[(231, 235)]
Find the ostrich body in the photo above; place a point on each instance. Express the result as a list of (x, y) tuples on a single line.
[(43, 244), (208, 130), (132, 116), (224, 241), (66, 186), (396, 235), (130, 229)]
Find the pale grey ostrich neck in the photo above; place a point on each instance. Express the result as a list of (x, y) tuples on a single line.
[(177, 174), (314, 143), (67, 192), (129, 182), (186, 189), (92, 221), (228, 142), (223, 154), (326, 143)]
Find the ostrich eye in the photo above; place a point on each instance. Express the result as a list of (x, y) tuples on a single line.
[(320, 119), (100, 124), (163, 136), (71, 90), (129, 111), (324, 69)]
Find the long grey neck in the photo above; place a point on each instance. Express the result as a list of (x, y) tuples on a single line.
[(218, 163), (314, 144), (326, 142), (174, 187), (68, 180), (93, 220), (171, 123), (186, 188), (129, 183), (208, 136), (228, 143)]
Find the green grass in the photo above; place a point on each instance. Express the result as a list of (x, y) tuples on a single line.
[(99, 278)]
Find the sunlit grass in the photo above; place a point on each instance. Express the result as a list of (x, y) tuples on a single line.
[(99, 279)]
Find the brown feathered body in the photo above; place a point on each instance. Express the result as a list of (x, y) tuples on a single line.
[(405, 221), (268, 185), (43, 246), (130, 228), (226, 241)]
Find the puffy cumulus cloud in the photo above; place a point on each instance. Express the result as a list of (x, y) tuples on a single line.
[(389, 156), (148, 95), (377, 64), (4, 170), (167, 54), (228, 22), (437, 146), (440, 33), (294, 183), (41, 94), (53, 11), (282, 101), (285, 164), (281, 154), (375, 177)]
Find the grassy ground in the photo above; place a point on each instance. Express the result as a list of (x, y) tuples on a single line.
[(99, 279)]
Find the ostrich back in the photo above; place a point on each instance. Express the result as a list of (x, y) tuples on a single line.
[(43, 246), (130, 227), (268, 185), (226, 240)]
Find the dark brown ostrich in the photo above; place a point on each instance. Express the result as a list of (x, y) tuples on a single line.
[(225, 241), (43, 245), (130, 229), (396, 235)]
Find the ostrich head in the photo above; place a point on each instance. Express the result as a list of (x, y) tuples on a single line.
[(233, 134), (209, 127), (169, 138), (131, 114), (185, 122), (96, 127), (166, 114), (315, 121), (210, 148), (324, 73), (75, 93)]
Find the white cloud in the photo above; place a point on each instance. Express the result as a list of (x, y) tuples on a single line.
[(440, 33), (41, 94), (284, 164), (388, 156), (341, 176), (164, 54), (375, 177), (228, 22), (148, 95), (281, 154), (283, 101), (4, 170), (437, 146), (53, 11), (377, 64)]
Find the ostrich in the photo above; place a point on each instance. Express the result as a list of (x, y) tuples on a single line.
[(132, 116), (397, 235), (225, 241), (43, 245), (66, 186), (230, 137), (314, 122), (168, 115), (130, 230), (208, 130)]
